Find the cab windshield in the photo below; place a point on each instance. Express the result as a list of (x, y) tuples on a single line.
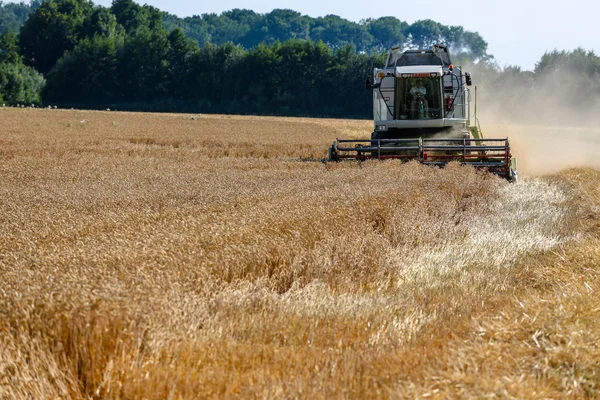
[(418, 98)]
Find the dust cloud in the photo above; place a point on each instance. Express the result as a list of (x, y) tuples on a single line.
[(552, 123), (547, 149)]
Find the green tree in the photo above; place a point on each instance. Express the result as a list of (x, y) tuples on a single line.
[(303, 65), (258, 81), (425, 33), (181, 51), (386, 32), (195, 27), (216, 75), (87, 74), (9, 49), (14, 15), (18, 83), (280, 25), (102, 22), (51, 30), (346, 95), (472, 45), (231, 26), (128, 14), (338, 32), (143, 65)]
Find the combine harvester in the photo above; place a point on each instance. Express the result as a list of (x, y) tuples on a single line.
[(422, 111)]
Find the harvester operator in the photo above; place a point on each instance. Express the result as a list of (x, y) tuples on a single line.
[(418, 92)]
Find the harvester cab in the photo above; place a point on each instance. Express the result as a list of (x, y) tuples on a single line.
[(422, 111)]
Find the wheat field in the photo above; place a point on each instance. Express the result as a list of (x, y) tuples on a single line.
[(166, 256)]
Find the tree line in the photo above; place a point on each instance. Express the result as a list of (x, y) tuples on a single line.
[(248, 28), (128, 56)]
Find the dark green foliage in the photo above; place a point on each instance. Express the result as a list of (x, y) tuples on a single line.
[(9, 49), (14, 15), (179, 58), (129, 15), (51, 30), (102, 22), (337, 32), (212, 73), (169, 72), (386, 32), (87, 72), (426, 33), (143, 65), (283, 25), (247, 29), (18, 83)]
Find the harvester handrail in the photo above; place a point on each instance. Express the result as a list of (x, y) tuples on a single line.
[(376, 140), (483, 147), (373, 148), (474, 163), (459, 139)]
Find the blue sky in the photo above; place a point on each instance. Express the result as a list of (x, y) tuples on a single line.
[(518, 31)]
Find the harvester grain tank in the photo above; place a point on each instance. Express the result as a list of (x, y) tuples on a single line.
[(422, 111)]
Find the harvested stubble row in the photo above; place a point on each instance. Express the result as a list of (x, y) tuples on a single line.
[(157, 256)]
